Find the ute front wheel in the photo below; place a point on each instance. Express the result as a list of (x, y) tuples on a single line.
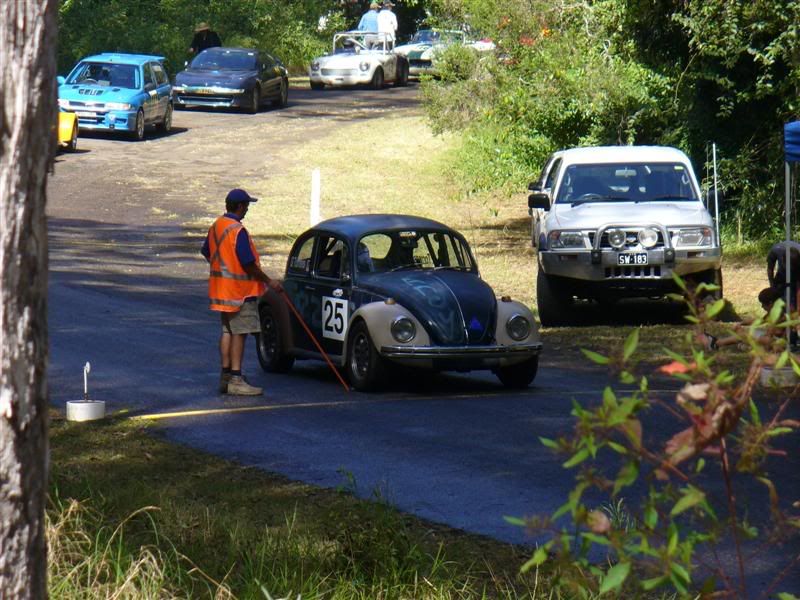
[(553, 302)]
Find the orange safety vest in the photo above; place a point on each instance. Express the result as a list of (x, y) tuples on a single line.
[(228, 283)]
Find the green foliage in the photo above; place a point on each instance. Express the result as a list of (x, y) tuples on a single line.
[(290, 30), (616, 72), (655, 538)]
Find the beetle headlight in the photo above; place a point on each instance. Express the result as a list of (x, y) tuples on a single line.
[(616, 237), (518, 327), (648, 237), (315, 66), (692, 236), (364, 66), (566, 239), (403, 329)]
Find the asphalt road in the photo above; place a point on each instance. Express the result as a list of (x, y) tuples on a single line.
[(127, 293)]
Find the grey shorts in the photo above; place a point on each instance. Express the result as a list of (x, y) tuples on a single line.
[(241, 322)]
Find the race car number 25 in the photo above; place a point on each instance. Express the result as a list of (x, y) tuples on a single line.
[(334, 318)]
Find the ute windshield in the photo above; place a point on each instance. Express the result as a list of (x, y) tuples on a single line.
[(629, 182), (386, 251)]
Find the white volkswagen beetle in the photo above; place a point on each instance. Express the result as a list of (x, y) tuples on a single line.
[(359, 58)]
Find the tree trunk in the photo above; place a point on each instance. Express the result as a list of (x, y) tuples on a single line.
[(27, 145)]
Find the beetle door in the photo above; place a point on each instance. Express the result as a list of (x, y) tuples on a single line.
[(333, 281), (300, 288)]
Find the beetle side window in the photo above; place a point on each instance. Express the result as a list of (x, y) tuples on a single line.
[(332, 257), (300, 260)]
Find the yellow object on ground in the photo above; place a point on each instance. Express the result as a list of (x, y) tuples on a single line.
[(67, 131)]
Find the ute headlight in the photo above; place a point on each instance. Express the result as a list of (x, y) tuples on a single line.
[(403, 329), (616, 237), (315, 66), (118, 106), (648, 237), (364, 66), (566, 239), (692, 236), (518, 327)]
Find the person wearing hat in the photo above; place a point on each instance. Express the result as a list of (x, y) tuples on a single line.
[(234, 284), (387, 21), (369, 20), (204, 38)]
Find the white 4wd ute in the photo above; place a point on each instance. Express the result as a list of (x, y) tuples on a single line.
[(618, 221)]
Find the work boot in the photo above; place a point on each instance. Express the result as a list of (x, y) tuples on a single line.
[(224, 378), (237, 386)]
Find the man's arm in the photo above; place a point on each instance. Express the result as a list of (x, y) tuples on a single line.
[(255, 272)]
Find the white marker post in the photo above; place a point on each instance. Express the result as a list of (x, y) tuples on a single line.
[(315, 196)]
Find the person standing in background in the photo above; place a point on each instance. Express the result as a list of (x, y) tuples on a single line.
[(204, 38), (387, 21), (369, 20)]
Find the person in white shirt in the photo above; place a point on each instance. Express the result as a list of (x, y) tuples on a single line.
[(387, 21)]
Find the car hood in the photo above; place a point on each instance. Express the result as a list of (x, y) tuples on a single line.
[(592, 214), (348, 61), (95, 93), (213, 78), (456, 308)]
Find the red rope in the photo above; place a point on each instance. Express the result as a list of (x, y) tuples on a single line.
[(314, 339)]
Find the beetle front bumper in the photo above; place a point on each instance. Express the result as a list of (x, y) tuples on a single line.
[(462, 357)]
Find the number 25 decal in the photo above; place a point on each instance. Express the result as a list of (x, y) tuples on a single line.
[(334, 317)]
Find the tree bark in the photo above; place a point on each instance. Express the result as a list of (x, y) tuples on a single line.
[(27, 145)]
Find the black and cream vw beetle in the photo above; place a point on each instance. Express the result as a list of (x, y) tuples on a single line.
[(378, 290)]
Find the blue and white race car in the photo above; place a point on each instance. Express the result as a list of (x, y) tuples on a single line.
[(118, 92)]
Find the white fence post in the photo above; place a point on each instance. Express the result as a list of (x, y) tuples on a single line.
[(315, 197)]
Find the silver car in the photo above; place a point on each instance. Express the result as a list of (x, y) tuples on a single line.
[(618, 221)]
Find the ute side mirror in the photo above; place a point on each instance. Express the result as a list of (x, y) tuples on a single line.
[(539, 199)]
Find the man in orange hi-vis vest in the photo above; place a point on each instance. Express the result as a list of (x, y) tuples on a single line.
[(235, 282)]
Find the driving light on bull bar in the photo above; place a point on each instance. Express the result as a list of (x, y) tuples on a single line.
[(518, 327), (364, 66), (648, 237), (403, 329), (315, 66), (616, 237)]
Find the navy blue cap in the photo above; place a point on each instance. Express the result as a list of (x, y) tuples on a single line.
[(237, 195)]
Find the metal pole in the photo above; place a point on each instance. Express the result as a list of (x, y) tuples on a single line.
[(788, 293), (716, 194)]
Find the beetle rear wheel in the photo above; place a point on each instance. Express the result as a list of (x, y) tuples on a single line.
[(269, 345), (365, 366)]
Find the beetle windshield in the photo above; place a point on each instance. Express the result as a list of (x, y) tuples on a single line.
[(225, 60), (105, 74), (637, 182), (414, 249)]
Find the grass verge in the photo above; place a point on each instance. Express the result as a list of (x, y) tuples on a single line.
[(133, 516)]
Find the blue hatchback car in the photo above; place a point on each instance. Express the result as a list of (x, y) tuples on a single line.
[(118, 92)]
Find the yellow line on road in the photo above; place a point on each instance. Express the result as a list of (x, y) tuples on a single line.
[(240, 409), (246, 409)]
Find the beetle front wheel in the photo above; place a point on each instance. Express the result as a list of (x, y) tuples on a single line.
[(365, 366)]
